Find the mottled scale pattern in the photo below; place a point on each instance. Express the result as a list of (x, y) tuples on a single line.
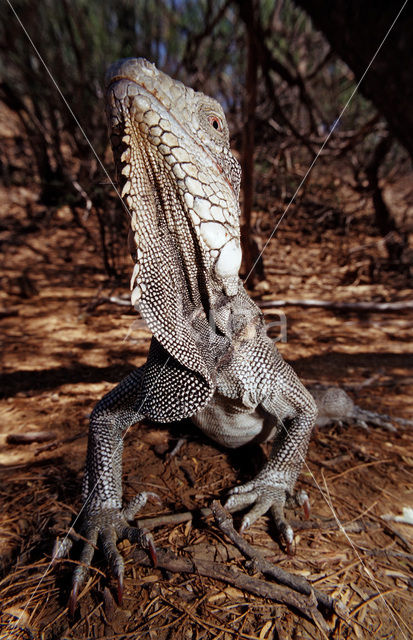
[(210, 357)]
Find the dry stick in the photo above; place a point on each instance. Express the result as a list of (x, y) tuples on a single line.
[(300, 584), (30, 436), (296, 582), (390, 554), (403, 305), (9, 313), (396, 533), (174, 518), (305, 604), (297, 525), (58, 443)]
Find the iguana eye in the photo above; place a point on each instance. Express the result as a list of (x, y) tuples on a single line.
[(215, 122)]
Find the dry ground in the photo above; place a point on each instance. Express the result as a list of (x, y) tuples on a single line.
[(59, 357)]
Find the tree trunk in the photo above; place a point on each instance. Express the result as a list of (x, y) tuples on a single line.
[(252, 262), (355, 29)]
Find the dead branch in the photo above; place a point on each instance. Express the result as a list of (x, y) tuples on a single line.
[(298, 583), (388, 553), (357, 526), (31, 436), (297, 525), (9, 313), (53, 445), (118, 300), (305, 604), (174, 518), (403, 305)]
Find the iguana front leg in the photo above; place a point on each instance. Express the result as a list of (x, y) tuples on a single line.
[(102, 516), (273, 487), (271, 398)]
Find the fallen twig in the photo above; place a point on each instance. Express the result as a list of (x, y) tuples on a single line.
[(9, 313), (297, 525), (305, 604), (403, 305), (30, 436), (173, 518), (57, 443), (298, 583), (123, 302), (99, 300), (388, 553)]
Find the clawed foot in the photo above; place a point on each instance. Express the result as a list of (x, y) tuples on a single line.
[(106, 526), (266, 497)]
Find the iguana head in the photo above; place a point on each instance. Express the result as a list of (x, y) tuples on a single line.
[(178, 174)]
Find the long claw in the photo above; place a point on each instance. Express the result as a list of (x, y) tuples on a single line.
[(306, 508), (120, 589), (284, 529), (155, 498), (73, 599), (301, 498), (289, 548), (152, 552), (245, 524), (288, 536)]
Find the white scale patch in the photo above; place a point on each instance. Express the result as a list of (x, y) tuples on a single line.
[(202, 208), (214, 234), (229, 260)]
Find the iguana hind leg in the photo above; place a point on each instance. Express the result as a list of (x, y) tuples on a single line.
[(102, 516)]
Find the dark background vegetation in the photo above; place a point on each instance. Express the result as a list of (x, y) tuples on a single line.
[(282, 81)]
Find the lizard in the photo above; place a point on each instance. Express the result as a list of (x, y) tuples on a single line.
[(210, 358)]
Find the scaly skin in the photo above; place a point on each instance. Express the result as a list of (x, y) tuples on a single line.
[(210, 357)]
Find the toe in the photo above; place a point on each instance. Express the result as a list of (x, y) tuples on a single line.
[(142, 538), (241, 501), (284, 529), (81, 571), (258, 510), (138, 502), (243, 488), (113, 557)]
